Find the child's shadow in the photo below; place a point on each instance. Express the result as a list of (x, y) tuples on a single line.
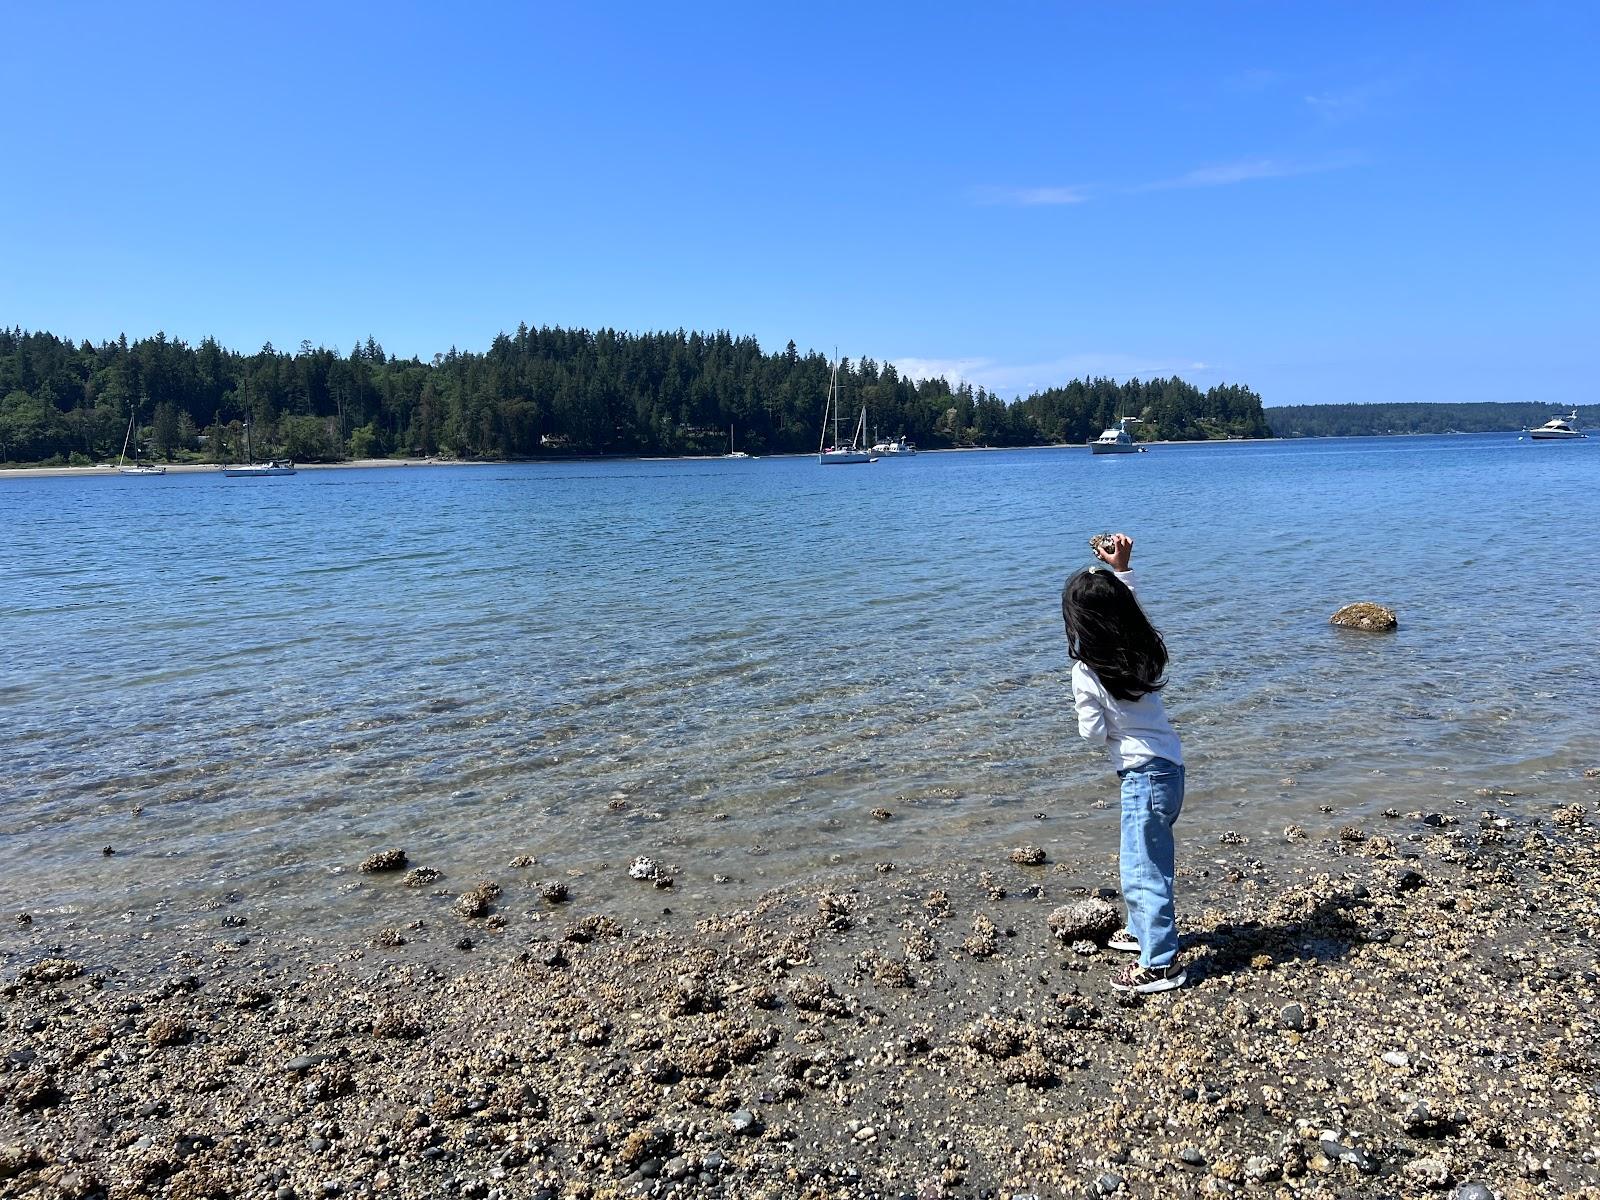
[(1327, 932)]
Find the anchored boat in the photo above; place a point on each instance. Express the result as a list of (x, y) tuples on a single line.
[(1558, 429), (1117, 439)]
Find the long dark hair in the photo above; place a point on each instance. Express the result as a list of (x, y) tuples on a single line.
[(1108, 632)]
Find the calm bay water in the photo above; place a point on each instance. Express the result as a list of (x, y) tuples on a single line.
[(728, 664)]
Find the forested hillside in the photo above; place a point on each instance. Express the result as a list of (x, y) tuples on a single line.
[(1359, 420), (537, 392)]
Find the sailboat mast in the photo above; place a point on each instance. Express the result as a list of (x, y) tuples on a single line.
[(835, 405), (125, 438)]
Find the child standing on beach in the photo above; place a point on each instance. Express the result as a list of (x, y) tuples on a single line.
[(1118, 660)]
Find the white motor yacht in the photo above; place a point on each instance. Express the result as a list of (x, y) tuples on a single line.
[(1117, 439), (897, 448), (1558, 429)]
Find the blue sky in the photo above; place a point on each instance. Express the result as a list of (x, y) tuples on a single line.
[(1327, 202)]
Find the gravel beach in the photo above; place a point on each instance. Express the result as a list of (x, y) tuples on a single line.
[(1406, 1008)]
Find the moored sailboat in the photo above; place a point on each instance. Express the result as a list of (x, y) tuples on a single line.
[(840, 453), (252, 469), (135, 467)]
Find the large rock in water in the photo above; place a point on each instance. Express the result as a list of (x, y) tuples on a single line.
[(1080, 920), (1372, 618)]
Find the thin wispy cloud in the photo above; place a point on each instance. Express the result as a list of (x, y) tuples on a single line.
[(1030, 197), (1015, 379), (1343, 104), (1249, 171)]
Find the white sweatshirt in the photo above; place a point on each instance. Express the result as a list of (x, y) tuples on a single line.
[(1132, 731)]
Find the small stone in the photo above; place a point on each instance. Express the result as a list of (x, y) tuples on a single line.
[(1260, 1169), (305, 1062), (1293, 833), (743, 1121), (866, 1134), (1365, 616), (24, 918), (1429, 1172), (553, 891), (1473, 1191), (1397, 1058), (1108, 1184), (1292, 1016), (1418, 1117), (644, 868), (1191, 1156), (383, 860), (523, 860), (881, 814), (1028, 856), (421, 877), (108, 851)]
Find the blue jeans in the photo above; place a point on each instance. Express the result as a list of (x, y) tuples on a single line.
[(1152, 798)]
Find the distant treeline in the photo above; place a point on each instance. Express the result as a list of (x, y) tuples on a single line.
[(1364, 420), (538, 392)]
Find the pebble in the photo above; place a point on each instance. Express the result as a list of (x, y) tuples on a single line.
[(1397, 1058), (1108, 1184), (1191, 1156), (1292, 1016), (1473, 1191)]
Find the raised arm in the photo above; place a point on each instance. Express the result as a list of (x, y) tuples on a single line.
[(1117, 558)]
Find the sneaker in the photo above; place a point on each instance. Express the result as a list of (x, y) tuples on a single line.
[(1123, 939), (1134, 978)]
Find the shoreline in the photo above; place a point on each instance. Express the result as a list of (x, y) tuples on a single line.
[(108, 471), (1404, 1005)]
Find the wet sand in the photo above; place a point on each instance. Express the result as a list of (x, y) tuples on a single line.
[(1405, 1008)]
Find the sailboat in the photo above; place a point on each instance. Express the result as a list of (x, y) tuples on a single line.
[(135, 467), (252, 469), (839, 454), (732, 453)]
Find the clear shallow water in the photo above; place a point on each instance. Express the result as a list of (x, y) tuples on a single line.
[(749, 656)]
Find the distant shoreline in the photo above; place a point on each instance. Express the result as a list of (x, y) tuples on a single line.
[(108, 471)]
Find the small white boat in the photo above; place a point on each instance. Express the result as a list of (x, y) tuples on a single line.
[(1117, 439), (842, 453), (897, 448), (252, 469), (1558, 429), (732, 453), (135, 467)]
